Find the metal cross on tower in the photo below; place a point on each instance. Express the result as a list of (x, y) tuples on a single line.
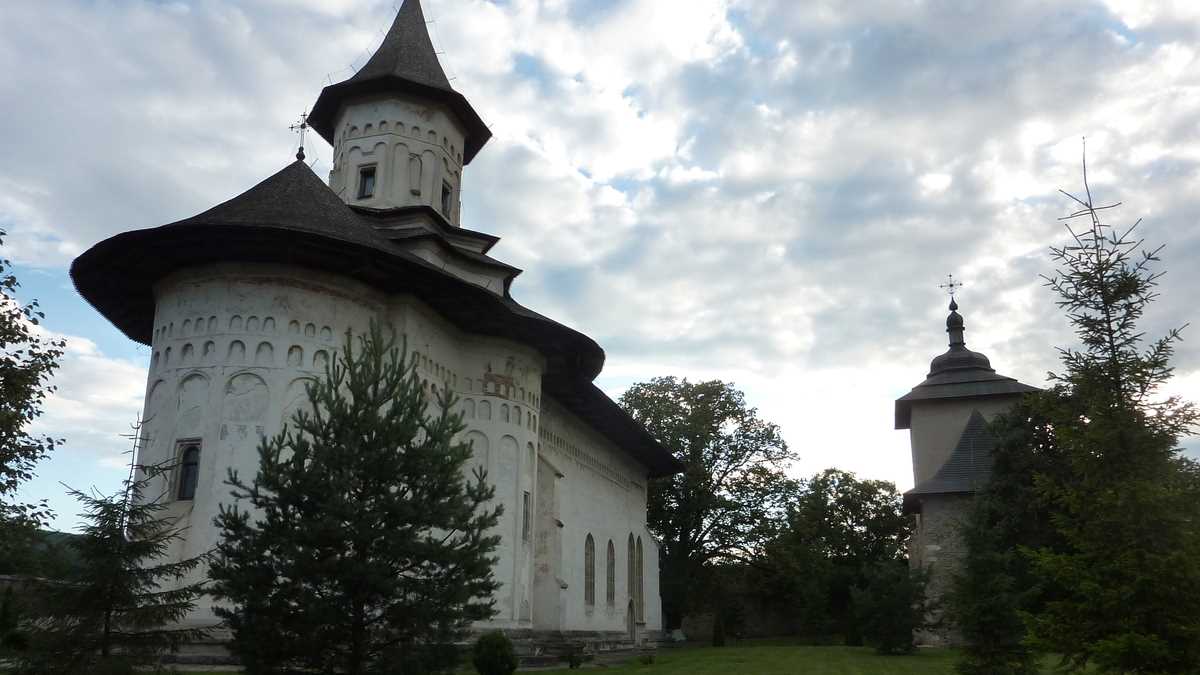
[(951, 285), (301, 127)]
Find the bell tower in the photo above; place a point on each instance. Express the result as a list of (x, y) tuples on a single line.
[(401, 135), (947, 418)]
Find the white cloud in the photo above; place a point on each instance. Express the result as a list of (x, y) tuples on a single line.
[(764, 191)]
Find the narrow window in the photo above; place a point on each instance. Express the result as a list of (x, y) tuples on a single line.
[(526, 531), (629, 581), (589, 572), (366, 182), (610, 588), (639, 596), (447, 193), (189, 472)]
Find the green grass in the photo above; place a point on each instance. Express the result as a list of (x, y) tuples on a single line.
[(783, 659), (775, 658)]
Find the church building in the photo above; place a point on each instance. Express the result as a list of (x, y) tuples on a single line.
[(947, 417), (244, 303)]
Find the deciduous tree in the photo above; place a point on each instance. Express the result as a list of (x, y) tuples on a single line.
[(27, 361), (730, 497)]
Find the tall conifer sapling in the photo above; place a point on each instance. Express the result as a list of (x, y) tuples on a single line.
[(361, 546)]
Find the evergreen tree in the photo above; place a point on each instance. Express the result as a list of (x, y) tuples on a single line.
[(996, 585), (1125, 503), (360, 546), (120, 609), (27, 361)]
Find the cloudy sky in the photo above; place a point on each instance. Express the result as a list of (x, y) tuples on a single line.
[(763, 191)]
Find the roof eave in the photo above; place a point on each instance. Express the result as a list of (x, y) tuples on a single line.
[(329, 103)]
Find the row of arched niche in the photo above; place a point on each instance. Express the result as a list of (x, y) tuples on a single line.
[(430, 136), (236, 324), (482, 410), (236, 354)]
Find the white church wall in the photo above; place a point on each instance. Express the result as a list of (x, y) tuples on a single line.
[(414, 146), (602, 493), (232, 346)]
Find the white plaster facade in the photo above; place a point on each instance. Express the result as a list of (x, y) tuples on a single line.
[(415, 147), (233, 344)]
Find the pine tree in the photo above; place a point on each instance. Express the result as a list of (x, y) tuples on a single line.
[(27, 361), (360, 546), (1124, 501), (122, 607)]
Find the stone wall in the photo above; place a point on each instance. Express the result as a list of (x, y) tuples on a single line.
[(937, 546)]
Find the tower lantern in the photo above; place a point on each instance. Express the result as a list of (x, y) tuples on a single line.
[(401, 134)]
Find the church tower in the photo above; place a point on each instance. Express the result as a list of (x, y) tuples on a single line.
[(947, 416), (400, 133)]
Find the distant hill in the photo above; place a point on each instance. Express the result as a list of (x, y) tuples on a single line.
[(53, 557)]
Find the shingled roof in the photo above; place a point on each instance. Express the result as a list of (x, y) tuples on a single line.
[(957, 373), (293, 218), (405, 63), (967, 469)]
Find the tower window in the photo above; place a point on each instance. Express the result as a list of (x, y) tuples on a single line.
[(189, 471), (526, 532), (366, 182), (447, 193)]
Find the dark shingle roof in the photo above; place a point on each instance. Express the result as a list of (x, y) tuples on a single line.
[(957, 373), (293, 218), (405, 63), (969, 466), (406, 52)]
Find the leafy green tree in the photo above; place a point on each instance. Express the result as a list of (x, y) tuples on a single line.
[(1126, 503), (892, 605), (731, 495), (122, 607), (27, 361), (838, 527), (360, 546)]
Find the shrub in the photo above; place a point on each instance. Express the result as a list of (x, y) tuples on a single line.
[(494, 654), (891, 607)]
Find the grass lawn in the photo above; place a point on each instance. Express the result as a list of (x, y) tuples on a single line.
[(780, 659), (775, 658)]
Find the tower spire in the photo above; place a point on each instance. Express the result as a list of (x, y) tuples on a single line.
[(404, 66)]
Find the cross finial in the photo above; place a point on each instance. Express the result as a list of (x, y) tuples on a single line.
[(301, 127), (951, 286)]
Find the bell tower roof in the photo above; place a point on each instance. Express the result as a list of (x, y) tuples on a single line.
[(956, 374), (404, 65)]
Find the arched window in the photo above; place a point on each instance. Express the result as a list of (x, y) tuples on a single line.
[(610, 589), (629, 580), (589, 572), (638, 572), (189, 472)]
